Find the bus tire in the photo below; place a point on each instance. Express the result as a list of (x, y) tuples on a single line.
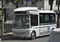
[(33, 35)]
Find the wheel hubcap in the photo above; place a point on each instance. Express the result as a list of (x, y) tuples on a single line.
[(33, 35)]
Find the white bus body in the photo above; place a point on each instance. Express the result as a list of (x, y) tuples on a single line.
[(38, 22)]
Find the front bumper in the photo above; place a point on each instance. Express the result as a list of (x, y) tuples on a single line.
[(22, 34)]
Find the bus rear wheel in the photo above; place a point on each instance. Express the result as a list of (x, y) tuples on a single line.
[(33, 35)]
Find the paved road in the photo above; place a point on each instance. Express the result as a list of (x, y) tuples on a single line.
[(39, 39)]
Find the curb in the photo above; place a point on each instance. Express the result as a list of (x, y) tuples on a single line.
[(0, 39), (5, 37)]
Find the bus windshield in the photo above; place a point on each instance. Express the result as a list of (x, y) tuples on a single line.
[(21, 21)]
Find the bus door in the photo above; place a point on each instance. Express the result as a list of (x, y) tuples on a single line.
[(34, 20)]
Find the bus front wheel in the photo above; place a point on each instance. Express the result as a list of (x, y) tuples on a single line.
[(33, 35)]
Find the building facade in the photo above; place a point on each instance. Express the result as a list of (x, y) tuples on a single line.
[(47, 6), (32, 3)]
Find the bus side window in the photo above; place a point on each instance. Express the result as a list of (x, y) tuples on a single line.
[(41, 18), (52, 18), (46, 18)]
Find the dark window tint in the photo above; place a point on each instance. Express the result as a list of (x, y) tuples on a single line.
[(21, 21), (52, 18), (34, 20), (41, 18), (47, 18)]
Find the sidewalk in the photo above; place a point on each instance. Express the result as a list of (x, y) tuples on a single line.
[(10, 33), (6, 35), (0, 38)]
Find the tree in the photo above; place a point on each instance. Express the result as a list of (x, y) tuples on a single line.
[(51, 4), (58, 13), (15, 2), (58, 3), (38, 0)]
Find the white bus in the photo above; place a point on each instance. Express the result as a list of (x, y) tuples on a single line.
[(30, 22)]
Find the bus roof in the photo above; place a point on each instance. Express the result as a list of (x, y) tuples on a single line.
[(41, 11), (26, 8), (46, 11)]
